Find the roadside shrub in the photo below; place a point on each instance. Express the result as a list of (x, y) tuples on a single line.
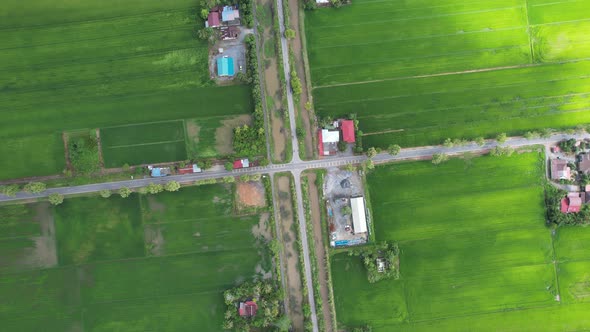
[(35, 187), (394, 149), (480, 141), (55, 198), (371, 152), (125, 192), (501, 138), (154, 188), (105, 193), (439, 158), (228, 166), (172, 186), (9, 190)]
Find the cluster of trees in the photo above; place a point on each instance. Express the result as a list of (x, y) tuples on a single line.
[(387, 252), (500, 151), (439, 158), (568, 145), (250, 140), (267, 298), (83, 153), (152, 188)]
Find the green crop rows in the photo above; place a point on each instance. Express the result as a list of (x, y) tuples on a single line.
[(136, 264), (417, 72), (476, 254), (78, 65)]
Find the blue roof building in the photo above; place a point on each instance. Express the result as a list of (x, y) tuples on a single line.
[(225, 67)]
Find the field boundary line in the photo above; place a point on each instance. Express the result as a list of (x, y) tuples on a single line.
[(528, 31), (562, 22), (143, 144), (141, 124), (383, 132), (554, 3), (151, 297), (555, 262), (470, 71), (185, 134)]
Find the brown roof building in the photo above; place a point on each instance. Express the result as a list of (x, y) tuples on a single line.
[(560, 170)]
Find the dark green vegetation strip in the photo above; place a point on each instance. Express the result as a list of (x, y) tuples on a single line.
[(136, 264), (475, 252), (97, 65), (410, 69)]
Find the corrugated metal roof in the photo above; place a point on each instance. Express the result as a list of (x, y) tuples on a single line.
[(359, 220), (347, 130), (225, 66), (329, 136)]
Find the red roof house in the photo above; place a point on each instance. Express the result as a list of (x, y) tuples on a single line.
[(248, 309), (347, 127), (213, 20), (572, 203), (241, 163)]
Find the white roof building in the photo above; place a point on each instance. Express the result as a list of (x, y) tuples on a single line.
[(330, 136), (359, 220)]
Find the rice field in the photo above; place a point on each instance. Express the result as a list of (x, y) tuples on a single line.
[(74, 65), (479, 259), (417, 72), (136, 264)]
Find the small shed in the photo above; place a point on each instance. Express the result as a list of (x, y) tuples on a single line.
[(584, 164), (225, 66), (159, 171), (359, 219), (248, 309), (194, 168)]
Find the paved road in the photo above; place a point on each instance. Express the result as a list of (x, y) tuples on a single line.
[(290, 103), (405, 154), (297, 172)]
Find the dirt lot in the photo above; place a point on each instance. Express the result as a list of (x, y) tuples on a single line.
[(339, 187), (251, 194), (290, 254), (320, 250), (235, 49)]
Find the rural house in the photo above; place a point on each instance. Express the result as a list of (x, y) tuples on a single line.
[(230, 15), (584, 164), (213, 19), (328, 141), (347, 127), (241, 163), (572, 203), (248, 309), (560, 170)]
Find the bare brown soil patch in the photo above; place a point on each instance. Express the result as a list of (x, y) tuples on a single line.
[(224, 134), (192, 131), (251, 194)]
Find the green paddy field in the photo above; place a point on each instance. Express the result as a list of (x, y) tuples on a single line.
[(417, 72), (475, 253), (144, 263), (72, 65)]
